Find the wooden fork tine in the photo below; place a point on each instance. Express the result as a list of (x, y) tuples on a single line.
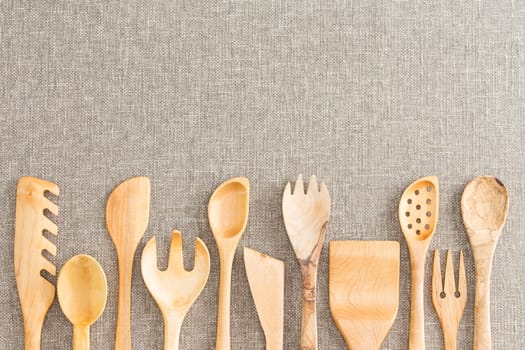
[(299, 186), (312, 185), (175, 258), (437, 282), (462, 280)]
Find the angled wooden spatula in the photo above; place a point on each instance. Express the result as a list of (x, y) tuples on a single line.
[(266, 280), (36, 293), (364, 290)]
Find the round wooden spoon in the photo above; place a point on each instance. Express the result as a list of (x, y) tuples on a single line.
[(418, 214), (228, 215), (484, 206), (82, 293)]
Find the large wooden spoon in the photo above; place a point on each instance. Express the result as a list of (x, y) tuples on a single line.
[(228, 215), (82, 293), (484, 206), (418, 214), (127, 214)]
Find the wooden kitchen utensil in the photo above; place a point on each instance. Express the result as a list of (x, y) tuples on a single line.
[(449, 301), (174, 289), (306, 219), (127, 214), (36, 292), (228, 215), (82, 293), (266, 279), (364, 290), (418, 214), (484, 206)]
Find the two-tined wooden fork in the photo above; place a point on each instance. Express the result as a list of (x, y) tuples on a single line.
[(449, 301)]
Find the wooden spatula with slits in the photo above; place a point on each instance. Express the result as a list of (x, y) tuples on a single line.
[(35, 292)]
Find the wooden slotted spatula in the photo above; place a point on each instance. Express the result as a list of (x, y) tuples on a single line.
[(266, 279), (364, 290), (35, 292), (127, 215), (305, 216)]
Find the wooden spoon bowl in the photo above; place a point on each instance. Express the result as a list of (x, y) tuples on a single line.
[(418, 210), (82, 294)]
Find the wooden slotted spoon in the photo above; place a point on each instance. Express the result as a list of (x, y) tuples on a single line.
[(306, 219), (484, 206), (175, 289), (418, 214), (127, 215)]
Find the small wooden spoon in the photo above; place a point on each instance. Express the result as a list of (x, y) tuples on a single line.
[(174, 289), (484, 206), (82, 293), (418, 214), (127, 214), (228, 215)]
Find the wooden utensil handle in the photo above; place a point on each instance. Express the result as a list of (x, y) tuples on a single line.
[(417, 310), (309, 317), (483, 267), (123, 330), (172, 326), (223, 318), (32, 334), (81, 337)]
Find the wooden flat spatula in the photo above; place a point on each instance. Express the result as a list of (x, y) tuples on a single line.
[(36, 293), (127, 215), (364, 290), (266, 279)]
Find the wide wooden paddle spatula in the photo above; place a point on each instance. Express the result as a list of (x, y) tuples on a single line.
[(364, 290), (35, 292), (266, 280), (127, 215)]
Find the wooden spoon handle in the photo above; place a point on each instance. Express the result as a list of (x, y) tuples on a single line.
[(417, 311), (309, 317), (123, 333), (483, 267), (80, 337), (172, 326), (223, 319)]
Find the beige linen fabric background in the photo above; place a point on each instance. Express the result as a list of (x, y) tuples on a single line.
[(367, 95)]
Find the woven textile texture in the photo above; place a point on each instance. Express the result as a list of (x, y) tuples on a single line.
[(367, 95)]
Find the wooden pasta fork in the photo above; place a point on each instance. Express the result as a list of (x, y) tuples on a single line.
[(449, 301)]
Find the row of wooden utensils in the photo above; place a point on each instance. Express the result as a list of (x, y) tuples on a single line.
[(363, 275)]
